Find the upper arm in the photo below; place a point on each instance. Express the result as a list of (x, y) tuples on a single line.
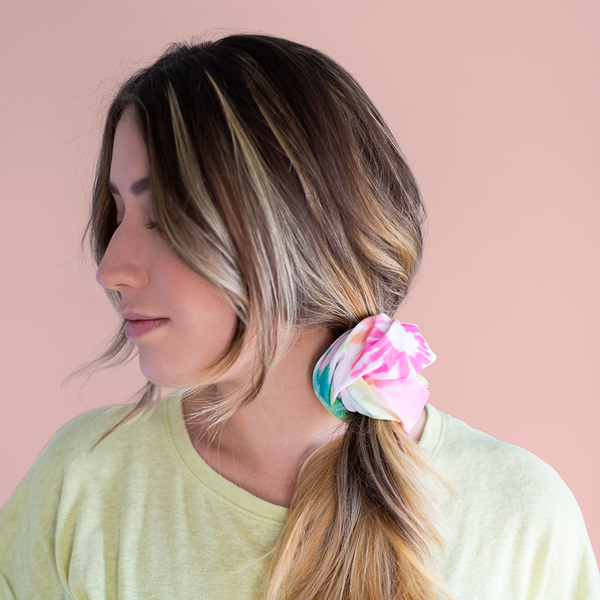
[(34, 558), (27, 532)]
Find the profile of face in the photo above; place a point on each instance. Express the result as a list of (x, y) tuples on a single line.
[(197, 321)]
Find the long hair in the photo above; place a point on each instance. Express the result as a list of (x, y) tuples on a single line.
[(274, 177)]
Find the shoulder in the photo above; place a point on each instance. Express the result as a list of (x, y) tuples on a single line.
[(510, 512), (82, 434), (73, 450), (74, 498), (72, 467), (490, 468), (78, 437)]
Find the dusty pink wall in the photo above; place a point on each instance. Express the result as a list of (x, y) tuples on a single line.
[(495, 105)]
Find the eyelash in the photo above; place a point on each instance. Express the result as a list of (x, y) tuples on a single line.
[(151, 225)]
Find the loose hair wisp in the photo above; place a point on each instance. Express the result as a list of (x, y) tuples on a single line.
[(274, 177)]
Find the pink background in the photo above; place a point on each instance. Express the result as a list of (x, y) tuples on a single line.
[(495, 105)]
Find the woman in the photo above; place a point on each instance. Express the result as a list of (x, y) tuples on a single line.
[(257, 227)]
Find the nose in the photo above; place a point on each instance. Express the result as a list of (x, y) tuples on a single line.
[(124, 262)]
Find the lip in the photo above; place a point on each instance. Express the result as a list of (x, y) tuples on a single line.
[(133, 316), (136, 328)]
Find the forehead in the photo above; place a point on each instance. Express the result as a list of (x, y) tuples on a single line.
[(129, 162)]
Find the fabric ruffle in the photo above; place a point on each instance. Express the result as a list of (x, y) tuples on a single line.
[(374, 369)]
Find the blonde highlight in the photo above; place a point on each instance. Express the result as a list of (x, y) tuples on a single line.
[(285, 189)]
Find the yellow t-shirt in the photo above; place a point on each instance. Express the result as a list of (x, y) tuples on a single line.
[(144, 517)]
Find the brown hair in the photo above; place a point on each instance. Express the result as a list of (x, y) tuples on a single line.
[(274, 176)]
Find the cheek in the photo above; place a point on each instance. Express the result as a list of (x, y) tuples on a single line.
[(199, 311), (202, 323), (205, 307)]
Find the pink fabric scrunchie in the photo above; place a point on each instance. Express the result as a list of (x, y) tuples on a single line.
[(374, 369)]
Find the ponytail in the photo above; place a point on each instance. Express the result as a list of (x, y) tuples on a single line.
[(275, 178), (363, 522)]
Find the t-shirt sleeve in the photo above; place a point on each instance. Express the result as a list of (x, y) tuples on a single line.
[(28, 566), (518, 532), (564, 566), (33, 561)]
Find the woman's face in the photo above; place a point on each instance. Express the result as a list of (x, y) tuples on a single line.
[(196, 321)]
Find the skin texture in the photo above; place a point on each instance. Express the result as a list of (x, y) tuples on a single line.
[(262, 446), (154, 281)]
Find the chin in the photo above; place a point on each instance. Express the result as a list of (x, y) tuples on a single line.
[(159, 377)]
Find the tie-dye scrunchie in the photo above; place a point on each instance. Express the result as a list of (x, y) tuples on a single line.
[(374, 369)]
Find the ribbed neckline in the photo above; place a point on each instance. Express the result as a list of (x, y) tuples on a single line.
[(433, 433), (237, 497)]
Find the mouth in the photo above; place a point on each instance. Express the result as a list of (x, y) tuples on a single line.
[(133, 316), (137, 328)]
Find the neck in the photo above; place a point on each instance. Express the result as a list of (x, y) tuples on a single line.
[(262, 446)]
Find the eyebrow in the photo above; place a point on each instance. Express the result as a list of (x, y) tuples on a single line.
[(137, 187)]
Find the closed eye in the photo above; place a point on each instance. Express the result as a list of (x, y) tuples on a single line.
[(150, 225)]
